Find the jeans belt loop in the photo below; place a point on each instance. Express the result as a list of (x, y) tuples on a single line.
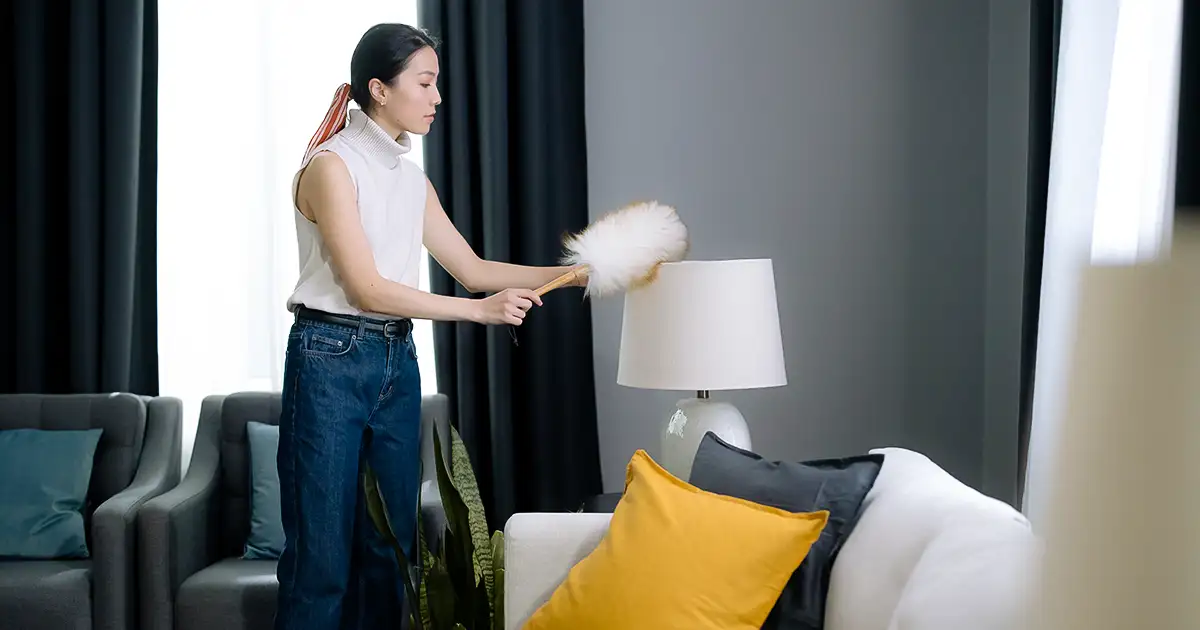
[(362, 328)]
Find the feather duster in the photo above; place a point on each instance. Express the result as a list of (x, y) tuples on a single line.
[(623, 249)]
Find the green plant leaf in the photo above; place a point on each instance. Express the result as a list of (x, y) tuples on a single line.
[(498, 580), (457, 518), (498, 600), (462, 576), (442, 600), (377, 511), (464, 481), (481, 618), (426, 561)]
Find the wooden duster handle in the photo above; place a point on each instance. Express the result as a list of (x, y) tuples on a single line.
[(561, 281)]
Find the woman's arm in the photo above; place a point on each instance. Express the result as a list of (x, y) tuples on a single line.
[(447, 245), (326, 196)]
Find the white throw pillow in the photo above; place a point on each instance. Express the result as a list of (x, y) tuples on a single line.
[(978, 573), (931, 553)]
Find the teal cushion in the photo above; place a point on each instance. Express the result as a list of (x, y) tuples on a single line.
[(265, 541), (45, 476)]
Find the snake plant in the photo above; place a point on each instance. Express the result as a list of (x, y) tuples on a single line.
[(459, 582)]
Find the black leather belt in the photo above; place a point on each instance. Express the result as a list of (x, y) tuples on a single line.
[(386, 327)]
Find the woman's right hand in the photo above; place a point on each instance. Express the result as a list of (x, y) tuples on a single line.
[(507, 307)]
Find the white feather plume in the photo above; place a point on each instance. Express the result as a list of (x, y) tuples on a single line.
[(624, 248)]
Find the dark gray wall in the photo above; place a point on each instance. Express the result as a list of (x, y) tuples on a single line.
[(849, 142), (1008, 147)]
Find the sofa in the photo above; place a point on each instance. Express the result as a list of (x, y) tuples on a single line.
[(193, 537), (927, 553), (136, 458)]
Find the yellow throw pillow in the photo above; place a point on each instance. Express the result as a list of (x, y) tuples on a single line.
[(675, 556)]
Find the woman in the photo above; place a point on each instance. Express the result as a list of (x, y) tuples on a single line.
[(352, 387)]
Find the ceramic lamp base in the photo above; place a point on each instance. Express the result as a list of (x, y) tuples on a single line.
[(693, 418)]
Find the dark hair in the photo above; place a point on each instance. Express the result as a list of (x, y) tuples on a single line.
[(383, 52)]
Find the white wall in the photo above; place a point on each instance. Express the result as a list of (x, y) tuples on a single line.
[(849, 142)]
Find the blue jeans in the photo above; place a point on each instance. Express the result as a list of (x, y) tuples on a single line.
[(350, 396)]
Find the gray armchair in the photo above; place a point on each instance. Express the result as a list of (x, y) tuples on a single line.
[(192, 538), (137, 458)]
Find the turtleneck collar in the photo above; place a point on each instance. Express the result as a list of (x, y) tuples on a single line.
[(367, 136)]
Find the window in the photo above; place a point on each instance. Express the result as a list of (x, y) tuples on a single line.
[(1111, 188), (242, 88), (1135, 183)]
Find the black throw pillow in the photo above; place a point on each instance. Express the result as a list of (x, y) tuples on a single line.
[(837, 485)]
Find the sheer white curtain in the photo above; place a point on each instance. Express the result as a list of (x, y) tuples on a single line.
[(242, 87), (1111, 194)]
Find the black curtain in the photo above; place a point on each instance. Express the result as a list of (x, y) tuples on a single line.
[(1187, 157), (77, 237), (1045, 24), (508, 159)]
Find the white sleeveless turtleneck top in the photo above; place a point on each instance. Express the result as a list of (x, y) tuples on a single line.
[(391, 203)]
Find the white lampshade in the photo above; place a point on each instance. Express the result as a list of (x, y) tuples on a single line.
[(703, 326)]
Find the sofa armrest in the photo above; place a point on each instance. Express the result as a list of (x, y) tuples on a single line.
[(539, 551), (114, 522), (178, 529)]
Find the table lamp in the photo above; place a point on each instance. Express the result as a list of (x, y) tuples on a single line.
[(702, 326)]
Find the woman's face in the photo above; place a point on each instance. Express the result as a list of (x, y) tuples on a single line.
[(412, 99)]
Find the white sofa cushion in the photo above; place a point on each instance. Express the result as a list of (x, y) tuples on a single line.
[(539, 551), (930, 553)]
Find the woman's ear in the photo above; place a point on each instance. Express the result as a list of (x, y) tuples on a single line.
[(378, 91)]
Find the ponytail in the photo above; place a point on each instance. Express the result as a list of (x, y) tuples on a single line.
[(335, 119)]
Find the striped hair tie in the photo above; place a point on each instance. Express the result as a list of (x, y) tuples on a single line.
[(335, 119)]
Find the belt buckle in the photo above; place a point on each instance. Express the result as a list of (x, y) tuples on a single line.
[(392, 328)]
